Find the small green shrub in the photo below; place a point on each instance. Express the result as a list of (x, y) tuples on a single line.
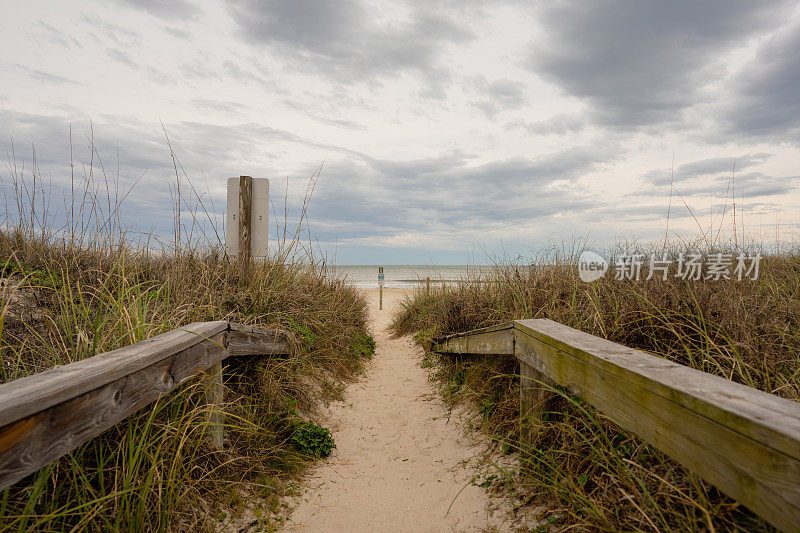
[(34, 277), (312, 439), (303, 332), (362, 345)]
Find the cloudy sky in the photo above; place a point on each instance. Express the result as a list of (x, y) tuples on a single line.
[(447, 132)]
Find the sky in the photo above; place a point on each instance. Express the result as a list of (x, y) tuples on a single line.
[(443, 132)]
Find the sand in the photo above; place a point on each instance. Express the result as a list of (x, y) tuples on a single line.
[(401, 460)]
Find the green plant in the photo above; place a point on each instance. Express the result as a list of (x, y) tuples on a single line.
[(596, 473), (312, 439), (303, 332), (87, 289), (362, 345)]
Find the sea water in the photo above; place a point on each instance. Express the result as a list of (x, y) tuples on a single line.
[(408, 276)]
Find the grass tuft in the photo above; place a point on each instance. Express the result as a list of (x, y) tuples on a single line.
[(73, 292), (586, 469)]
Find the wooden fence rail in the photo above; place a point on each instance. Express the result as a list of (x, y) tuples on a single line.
[(744, 441), (49, 414)]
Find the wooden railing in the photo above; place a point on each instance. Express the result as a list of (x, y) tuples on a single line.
[(49, 414), (744, 441)]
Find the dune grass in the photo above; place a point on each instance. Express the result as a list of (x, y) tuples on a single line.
[(86, 288), (585, 469)]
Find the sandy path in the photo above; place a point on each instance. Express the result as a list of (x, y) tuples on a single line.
[(399, 461)]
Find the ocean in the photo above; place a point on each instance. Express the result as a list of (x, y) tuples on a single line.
[(408, 276)]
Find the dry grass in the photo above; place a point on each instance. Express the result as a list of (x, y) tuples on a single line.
[(84, 288), (587, 469)]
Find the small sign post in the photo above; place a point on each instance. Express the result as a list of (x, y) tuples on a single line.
[(380, 288)]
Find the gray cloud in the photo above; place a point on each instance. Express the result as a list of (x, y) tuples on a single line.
[(712, 177), (704, 167), (40, 75), (644, 62), (330, 121), (219, 105), (561, 124), (236, 72), (752, 185), (172, 10), (358, 196), (41, 31), (499, 95), (122, 58), (121, 36), (342, 39), (381, 198), (766, 102)]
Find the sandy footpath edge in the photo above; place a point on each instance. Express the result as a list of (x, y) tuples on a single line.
[(400, 463)]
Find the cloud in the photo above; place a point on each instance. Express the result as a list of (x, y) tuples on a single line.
[(344, 40), (233, 70), (766, 103), (712, 177), (358, 197), (40, 75), (222, 106), (752, 185), (369, 197), (705, 167), (499, 95), (329, 121), (639, 63), (41, 31), (122, 58), (121, 36), (171, 10), (561, 124)]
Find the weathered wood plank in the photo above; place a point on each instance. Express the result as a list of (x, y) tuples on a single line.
[(249, 340), (26, 396), (214, 398), (778, 419), (245, 211), (533, 392), (533, 401), (494, 340), (45, 416), (744, 441), (31, 442)]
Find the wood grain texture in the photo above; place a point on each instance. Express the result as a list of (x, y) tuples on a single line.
[(214, 398), (245, 223), (494, 340), (534, 394), (758, 414), (49, 414), (249, 340), (744, 441), (34, 441), (26, 396)]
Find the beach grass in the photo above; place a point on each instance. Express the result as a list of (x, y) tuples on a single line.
[(86, 287), (582, 468)]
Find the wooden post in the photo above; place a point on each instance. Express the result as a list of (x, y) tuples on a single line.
[(532, 401), (428, 286), (533, 396), (214, 398), (245, 228)]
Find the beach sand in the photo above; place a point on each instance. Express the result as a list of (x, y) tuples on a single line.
[(402, 462)]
